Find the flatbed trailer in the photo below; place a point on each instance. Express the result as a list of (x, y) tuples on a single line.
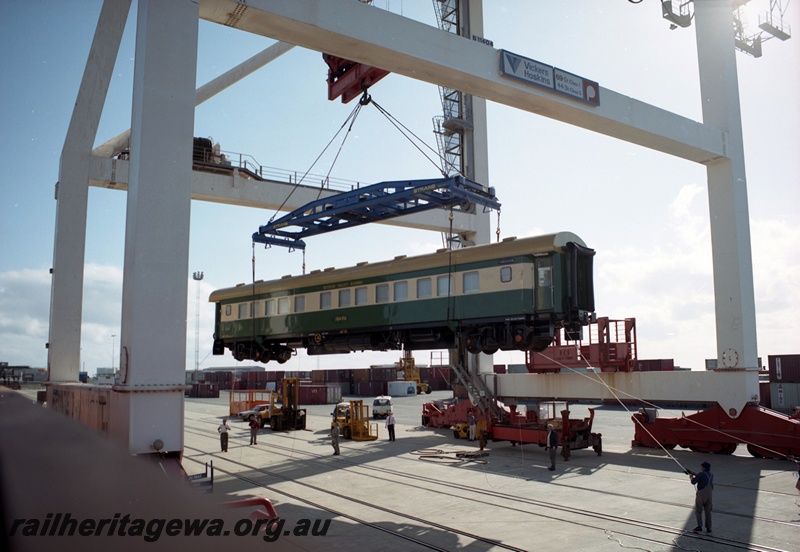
[(765, 432), (514, 427)]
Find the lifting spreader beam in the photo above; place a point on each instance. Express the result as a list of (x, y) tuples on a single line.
[(374, 203)]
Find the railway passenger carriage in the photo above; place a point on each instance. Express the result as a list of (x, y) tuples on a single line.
[(512, 295)]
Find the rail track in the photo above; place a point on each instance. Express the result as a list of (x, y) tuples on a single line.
[(499, 503)]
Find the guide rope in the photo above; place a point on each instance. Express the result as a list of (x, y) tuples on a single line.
[(616, 396), (614, 391)]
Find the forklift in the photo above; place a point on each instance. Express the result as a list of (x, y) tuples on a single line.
[(411, 372), (353, 418), (288, 416)]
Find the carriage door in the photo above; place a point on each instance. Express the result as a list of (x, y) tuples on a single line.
[(544, 283)]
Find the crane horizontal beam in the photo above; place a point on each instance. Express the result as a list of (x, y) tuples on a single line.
[(375, 203), (378, 38)]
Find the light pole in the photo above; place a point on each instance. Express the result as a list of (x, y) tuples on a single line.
[(112, 352), (197, 277)]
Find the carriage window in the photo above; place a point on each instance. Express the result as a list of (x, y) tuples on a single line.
[(361, 296), (505, 274), (283, 305), (269, 307), (423, 288), (300, 303), (227, 310), (254, 312), (325, 300), (243, 310), (471, 282), (382, 293), (400, 291), (443, 286), (344, 298)]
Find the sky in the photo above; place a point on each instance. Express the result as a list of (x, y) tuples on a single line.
[(644, 212)]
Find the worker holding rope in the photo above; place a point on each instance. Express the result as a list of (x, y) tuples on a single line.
[(702, 502), (796, 460)]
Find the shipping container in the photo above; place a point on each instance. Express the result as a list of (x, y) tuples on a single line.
[(318, 376), (330, 376), (312, 394), (360, 375), (764, 394), (369, 388), (784, 396), (655, 365), (459, 391), (784, 368), (204, 391), (401, 388), (320, 394), (499, 368), (383, 373), (517, 369)]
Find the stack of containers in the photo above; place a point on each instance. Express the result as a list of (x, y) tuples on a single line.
[(655, 365), (784, 382), (437, 377)]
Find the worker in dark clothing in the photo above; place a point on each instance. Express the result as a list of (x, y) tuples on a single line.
[(702, 502), (552, 445), (796, 460), (254, 425), (335, 438)]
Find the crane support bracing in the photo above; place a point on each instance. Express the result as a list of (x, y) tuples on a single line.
[(374, 203)]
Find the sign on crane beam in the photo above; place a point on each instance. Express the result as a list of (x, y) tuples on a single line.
[(374, 203)]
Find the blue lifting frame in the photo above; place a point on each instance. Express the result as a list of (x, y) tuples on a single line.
[(374, 203)]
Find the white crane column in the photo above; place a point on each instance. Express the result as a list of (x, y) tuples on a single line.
[(727, 190), (147, 405), (72, 194), (476, 160)]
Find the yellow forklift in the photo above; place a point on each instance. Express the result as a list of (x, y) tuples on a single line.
[(353, 418), (411, 372), (288, 416)]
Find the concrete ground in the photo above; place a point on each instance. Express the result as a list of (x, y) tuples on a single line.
[(416, 494), (411, 494)]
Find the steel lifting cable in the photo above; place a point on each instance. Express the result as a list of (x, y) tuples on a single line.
[(454, 456), (350, 118), (735, 438), (400, 127), (611, 390), (365, 99), (683, 416)]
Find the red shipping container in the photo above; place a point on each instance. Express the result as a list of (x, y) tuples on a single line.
[(765, 394), (369, 388), (499, 368), (784, 368), (312, 394), (655, 365), (331, 376)]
